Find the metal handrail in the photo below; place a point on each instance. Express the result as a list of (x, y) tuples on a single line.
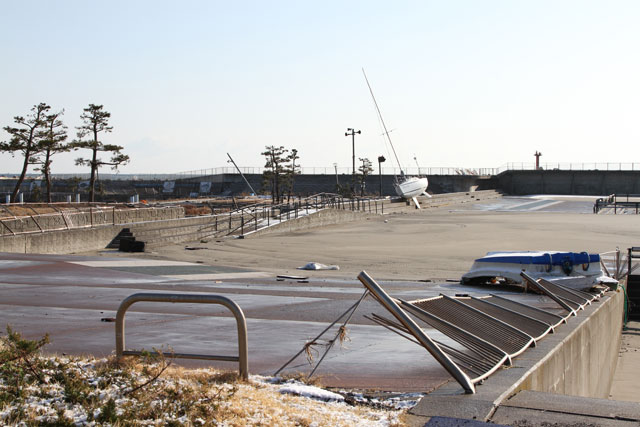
[(93, 216), (288, 210), (242, 358)]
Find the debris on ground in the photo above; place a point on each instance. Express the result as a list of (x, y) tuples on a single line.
[(318, 266)]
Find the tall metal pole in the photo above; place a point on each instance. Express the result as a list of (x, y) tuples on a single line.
[(381, 160), (240, 172), (352, 132)]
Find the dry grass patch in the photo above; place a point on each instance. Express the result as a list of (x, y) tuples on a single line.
[(66, 391)]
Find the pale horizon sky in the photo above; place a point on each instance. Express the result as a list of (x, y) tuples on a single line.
[(472, 84)]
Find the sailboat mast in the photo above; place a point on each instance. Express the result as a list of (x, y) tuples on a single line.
[(386, 132)]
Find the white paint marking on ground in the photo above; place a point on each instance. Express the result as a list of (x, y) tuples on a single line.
[(216, 276), (545, 205), (132, 263), (520, 205)]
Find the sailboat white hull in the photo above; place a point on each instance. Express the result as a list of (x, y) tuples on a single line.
[(411, 187)]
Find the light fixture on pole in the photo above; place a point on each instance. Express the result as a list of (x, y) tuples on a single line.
[(381, 160)]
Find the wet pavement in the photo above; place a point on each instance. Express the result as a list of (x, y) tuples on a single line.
[(546, 203), (70, 298)]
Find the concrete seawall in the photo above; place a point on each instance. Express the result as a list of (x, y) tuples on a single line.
[(583, 362), (579, 359), (586, 183), (92, 217)]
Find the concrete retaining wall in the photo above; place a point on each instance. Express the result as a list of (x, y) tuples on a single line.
[(93, 217), (579, 359), (60, 242), (583, 363), (588, 183), (85, 237)]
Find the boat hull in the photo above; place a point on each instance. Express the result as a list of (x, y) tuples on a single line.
[(411, 187), (576, 270)]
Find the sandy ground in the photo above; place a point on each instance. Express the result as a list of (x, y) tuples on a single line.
[(433, 244)]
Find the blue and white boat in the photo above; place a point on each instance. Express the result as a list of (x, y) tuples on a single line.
[(576, 270)]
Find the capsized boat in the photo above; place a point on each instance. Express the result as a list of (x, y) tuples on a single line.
[(576, 270), (411, 187)]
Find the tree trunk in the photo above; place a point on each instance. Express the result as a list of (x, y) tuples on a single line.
[(47, 175), (94, 167), (21, 178)]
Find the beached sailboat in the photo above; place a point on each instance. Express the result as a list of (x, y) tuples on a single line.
[(408, 187)]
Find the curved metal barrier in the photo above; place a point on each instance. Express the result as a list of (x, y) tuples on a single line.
[(242, 357)]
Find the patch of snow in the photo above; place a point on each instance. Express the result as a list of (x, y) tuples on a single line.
[(311, 392)]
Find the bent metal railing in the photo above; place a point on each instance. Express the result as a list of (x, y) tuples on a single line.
[(415, 330), (235, 309), (486, 332)]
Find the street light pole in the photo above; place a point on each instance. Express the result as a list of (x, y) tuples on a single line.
[(381, 160), (352, 132)]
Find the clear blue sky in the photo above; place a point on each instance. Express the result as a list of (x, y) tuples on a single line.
[(463, 83)]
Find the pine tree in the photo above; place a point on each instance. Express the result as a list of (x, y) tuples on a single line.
[(51, 141), (273, 176), (291, 170), (24, 140), (96, 120), (364, 170)]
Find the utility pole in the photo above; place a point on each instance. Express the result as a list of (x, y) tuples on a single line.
[(352, 132), (241, 174)]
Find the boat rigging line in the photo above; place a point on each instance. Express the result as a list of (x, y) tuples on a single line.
[(386, 132)]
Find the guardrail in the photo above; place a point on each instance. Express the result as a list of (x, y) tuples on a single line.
[(242, 358), (618, 201), (571, 166), (253, 217), (344, 170)]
